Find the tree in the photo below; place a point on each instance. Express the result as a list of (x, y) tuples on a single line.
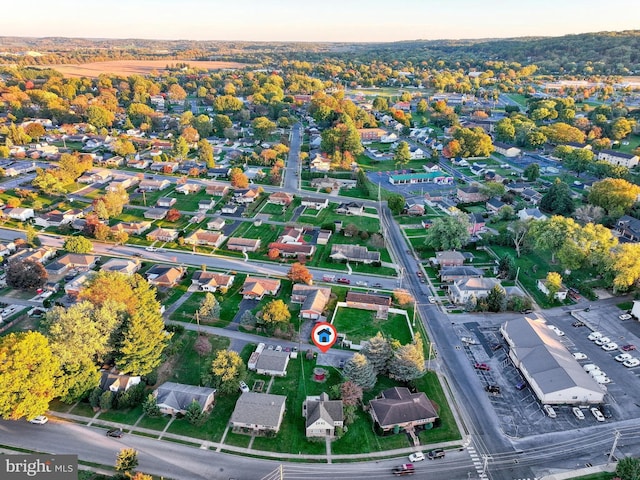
[(111, 203), (273, 254), (620, 128), (27, 369), (46, 181), (190, 135), (532, 172), (378, 352), (262, 128), (497, 299), (300, 274), (150, 407), (448, 232), (205, 153), (124, 147), (492, 189), (32, 236), (26, 274), (358, 370), (551, 234), (180, 148), (99, 116), (220, 123), (396, 203), (474, 142), (408, 361), (126, 461), (558, 199), (34, 130), (195, 415), (505, 130), (228, 370), (553, 283), (623, 268), (238, 178), (209, 308), (173, 215), (276, 311), (422, 106), (589, 214), (203, 125), (350, 393), (628, 468), (78, 244), (202, 345), (402, 155), (402, 297), (562, 133), (106, 400), (507, 267), (615, 195), (177, 93)]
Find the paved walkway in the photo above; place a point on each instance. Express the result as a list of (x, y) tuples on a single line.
[(177, 304)]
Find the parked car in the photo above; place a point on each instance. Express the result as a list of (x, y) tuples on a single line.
[(556, 330), (521, 385), (628, 348), (632, 362), (341, 363), (482, 366), (496, 346), (598, 414), (624, 316), (344, 281), (115, 433), (579, 356), (603, 341), (244, 388), (602, 379), (590, 367), (39, 420), (377, 285), (435, 453), (593, 336), (549, 411), (432, 299), (493, 389), (578, 413), (610, 346), (606, 411), (416, 457), (577, 323), (623, 357), (526, 311), (279, 348)]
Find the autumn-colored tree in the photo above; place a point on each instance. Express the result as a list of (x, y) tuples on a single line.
[(623, 268), (190, 134), (452, 149), (34, 130), (300, 274), (553, 283), (276, 311), (615, 195), (173, 215), (177, 93), (228, 370), (273, 254), (350, 393), (402, 297), (238, 178)]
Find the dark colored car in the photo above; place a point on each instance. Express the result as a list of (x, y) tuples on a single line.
[(377, 285), (577, 323), (492, 389), (404, 469), (496, 346), (115, 433), (437, 453), (628, 348), (526, 311), (606, 411), (341, 363), (521, 385)]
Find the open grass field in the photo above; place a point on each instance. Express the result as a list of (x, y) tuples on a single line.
[(359, 325), (135, 67)]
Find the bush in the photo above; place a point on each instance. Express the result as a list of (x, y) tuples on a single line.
[(94, 397), (106, 400), (174, 328), (151, 378)]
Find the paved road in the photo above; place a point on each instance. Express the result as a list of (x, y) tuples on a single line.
[(292, 171)]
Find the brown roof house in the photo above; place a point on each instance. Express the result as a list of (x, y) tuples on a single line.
[(354, 253), (258, 413), (117, 382), (470, 195), (313, 299), (256, 288), (280, 198), (71, 261), (322, 416), (132, 228), (449, 258), (243, 244), (204, 237), (211, 281), (293, 249), (397, 407), (164, 275), (121, 265), (173, 398), (163, 235), (366, 301)]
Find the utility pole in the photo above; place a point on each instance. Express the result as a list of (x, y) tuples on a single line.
[(616, 437), (485, 463)]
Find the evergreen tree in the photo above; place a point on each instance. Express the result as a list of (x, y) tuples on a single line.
[(150, 407), (497, 299), (408, 361), (378, 353), (195, 415), (360, 371)]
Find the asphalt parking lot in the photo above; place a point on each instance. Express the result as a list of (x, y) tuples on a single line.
[(518, 411)]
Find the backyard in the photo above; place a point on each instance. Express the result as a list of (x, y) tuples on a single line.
[(360, 325)]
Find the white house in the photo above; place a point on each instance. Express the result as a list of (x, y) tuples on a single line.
[(506, 150), (618, 158), (462, 290), (19, 213), (560, 294)]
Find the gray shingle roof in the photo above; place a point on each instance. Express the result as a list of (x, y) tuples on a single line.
[(179, 396), (263, 409), (398, 405)]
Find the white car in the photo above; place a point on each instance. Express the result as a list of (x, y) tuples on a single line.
[(603, 341), (598, 414), (578, 413), (151, 249), (623, 357), (597, 373), (39, 420), (593, 336), (361, 283), (602, 379), (550, 411), (610, 347), (624, 316), (579, 356), (432, 299), (556, 330), (632, 362), (590, 366), (416, 457), (244, 388)]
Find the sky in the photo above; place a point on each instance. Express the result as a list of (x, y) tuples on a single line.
[(325, 20)]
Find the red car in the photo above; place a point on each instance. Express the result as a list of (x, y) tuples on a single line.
[(482, 366), (628, 348), (345, 281)]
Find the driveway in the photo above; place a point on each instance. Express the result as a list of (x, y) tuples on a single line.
[(243, 306)]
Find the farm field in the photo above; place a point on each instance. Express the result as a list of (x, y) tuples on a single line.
[(134, 67)]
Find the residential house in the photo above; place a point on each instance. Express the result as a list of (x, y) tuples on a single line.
[(121, 265), (73, 287), (96, 176), (293, 250), (506, 149), (217, 190), (116, 382), (162, 235), (332, 183), (397, 408), (243, 244), (256, 288), (436, 177), (371, 134), (7, 249), (166, 202), (350, 208), (151, 185), (115, 161), (530, 195), (559, 295), (189, 188), (313, 299), (470, 195), (280, 198), (353, 253), (218, 172), (206, 204), (629, 228), (323, 237), (175, 398), (416, 210), (416, 153), (56, 218), (315, 203), (616, 157), (390, 138), (454, 274), (273, 363), (245, 195), (124, 183), (156, 213), (131, 228), (462, 290), (449, 258), (258, 413), (404, 106), (494, 205), (320, 163), (291, 235), (531, 214), (322, 415), (164, 167), (216, 224), (207, 281), (431, 167), (476, 223), (204, 237), (72, 261), (19, 213), (229, 209), (39, 255), (368, 301), (164, 275)]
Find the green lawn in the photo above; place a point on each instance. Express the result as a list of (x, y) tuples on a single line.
[(154, 423), (359, 325), (216, 423), (128, 416), (186, 365), (328, 215), (189, 203), (519, 99)]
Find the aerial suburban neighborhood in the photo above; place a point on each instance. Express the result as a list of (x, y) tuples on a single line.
[(321, 254)]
